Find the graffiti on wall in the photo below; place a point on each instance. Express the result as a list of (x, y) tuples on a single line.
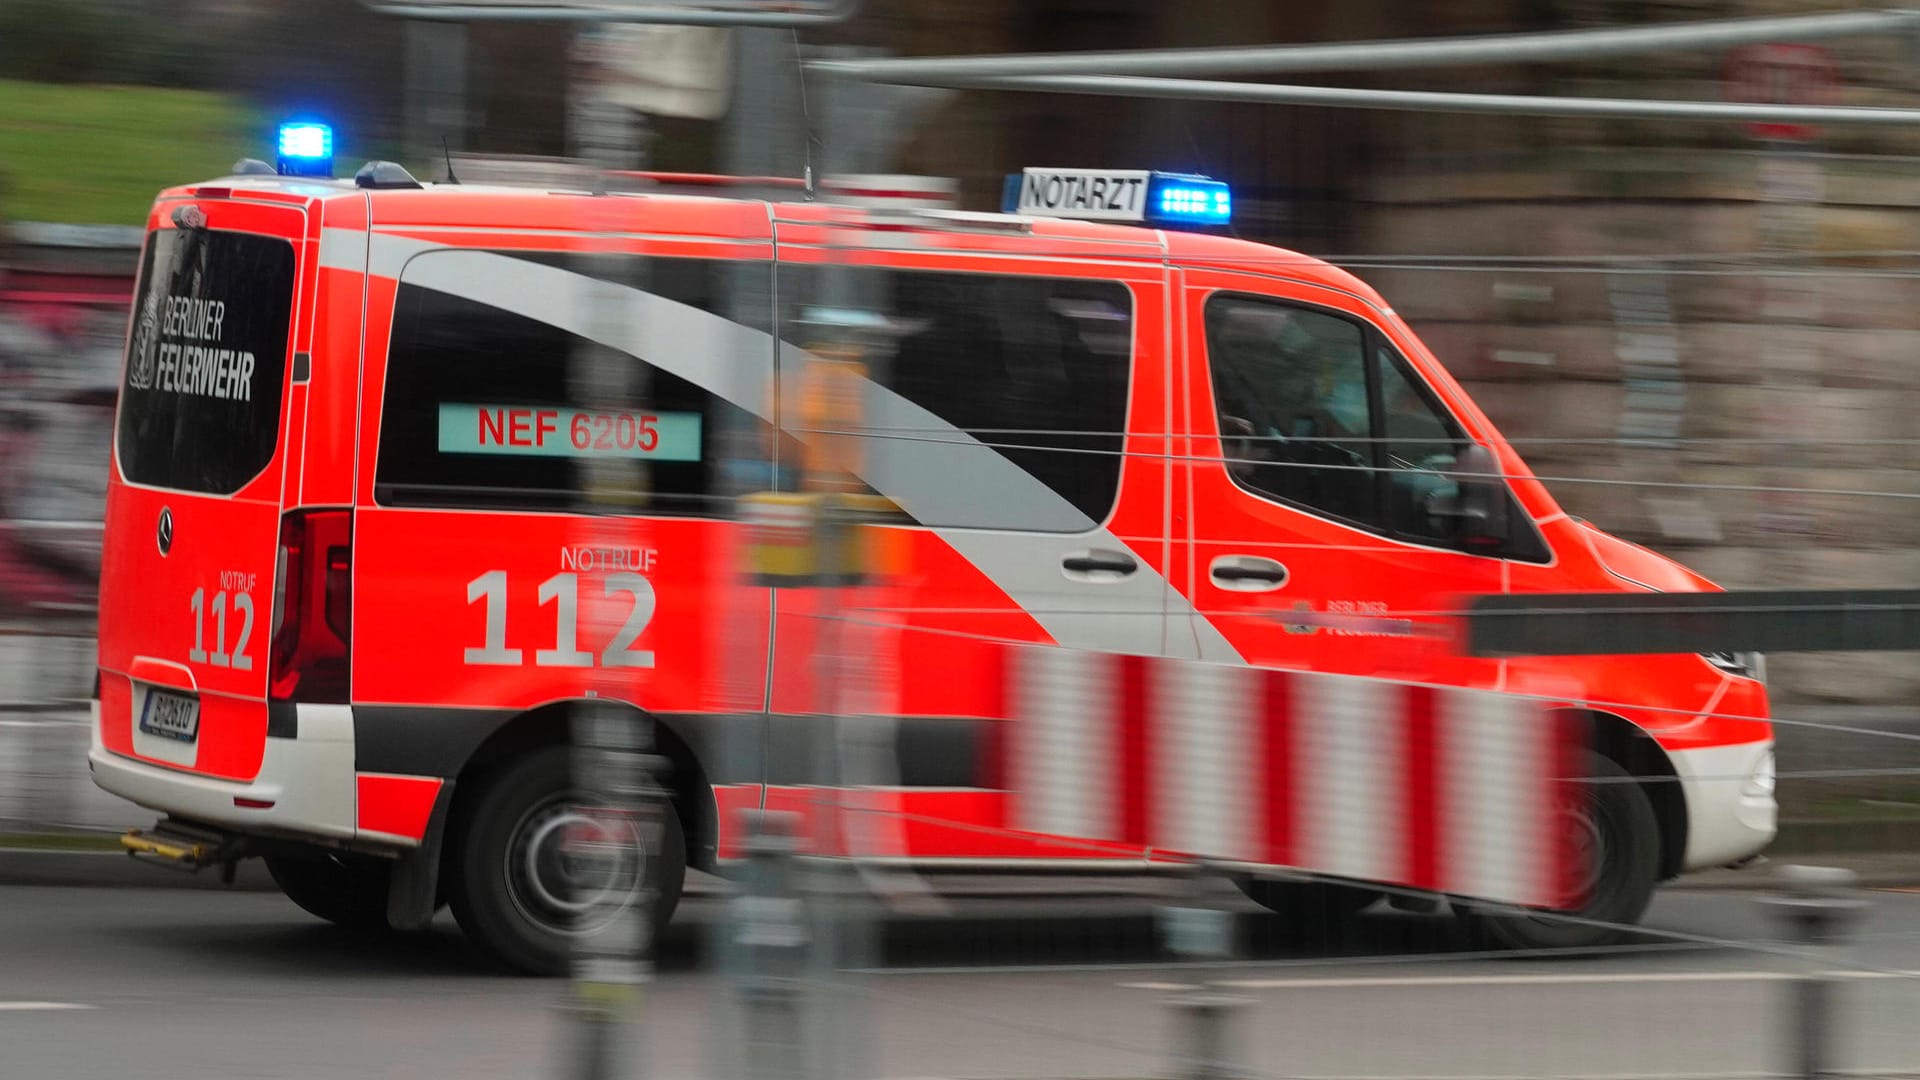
[(58, 371)]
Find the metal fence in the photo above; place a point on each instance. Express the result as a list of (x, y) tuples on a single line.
[(1758, 972), (1790, 974)]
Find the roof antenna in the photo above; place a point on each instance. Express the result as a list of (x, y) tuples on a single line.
[(806, 120), (444, 149)]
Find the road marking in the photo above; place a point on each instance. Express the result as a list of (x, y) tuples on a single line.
[(1571, 979), (42, 1006), (1864, 1074)]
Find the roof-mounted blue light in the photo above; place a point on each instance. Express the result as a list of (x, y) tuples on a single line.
[(1188, 200), (1136, 195), (306, 149)]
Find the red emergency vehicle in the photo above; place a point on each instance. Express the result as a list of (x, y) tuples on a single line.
[(339, 603)]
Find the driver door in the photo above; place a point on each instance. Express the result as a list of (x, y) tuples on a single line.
[(1317, 457)]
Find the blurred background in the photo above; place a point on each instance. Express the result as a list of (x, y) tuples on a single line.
[(1704, 337), (1673, 321)]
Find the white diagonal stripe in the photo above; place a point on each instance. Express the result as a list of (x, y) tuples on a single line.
[(729, 360)]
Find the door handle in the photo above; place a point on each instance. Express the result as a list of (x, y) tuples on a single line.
[(1247, 573), (1098, 564)]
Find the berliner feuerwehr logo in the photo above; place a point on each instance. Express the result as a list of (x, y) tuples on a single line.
[(146, 342)]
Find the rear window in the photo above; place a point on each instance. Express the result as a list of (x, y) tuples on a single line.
[(490, 408), (200, 400)]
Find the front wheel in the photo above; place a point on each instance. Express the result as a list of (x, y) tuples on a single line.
[(1616, 842), (518, 884)]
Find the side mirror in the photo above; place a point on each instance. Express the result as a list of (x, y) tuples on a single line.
[(1480, 508)]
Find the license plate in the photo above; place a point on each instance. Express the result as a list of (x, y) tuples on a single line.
[(171, 716)]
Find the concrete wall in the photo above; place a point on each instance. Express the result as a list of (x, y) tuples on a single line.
[(1692, 350)]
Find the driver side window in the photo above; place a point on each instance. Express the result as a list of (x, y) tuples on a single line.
[(1316, 411), (1290, 387), (1421, 445)]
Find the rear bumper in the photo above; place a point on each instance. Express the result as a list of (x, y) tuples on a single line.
[(306, 787), (1731, 813)]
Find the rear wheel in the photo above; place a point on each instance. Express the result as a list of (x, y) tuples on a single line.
[(1617, 844), (517, 884), (346, 892)]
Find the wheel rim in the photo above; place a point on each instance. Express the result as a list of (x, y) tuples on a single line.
[(1577, 823), (1586, 841), (567, 871)]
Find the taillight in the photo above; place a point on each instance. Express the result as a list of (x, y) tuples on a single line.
[(312, 617)]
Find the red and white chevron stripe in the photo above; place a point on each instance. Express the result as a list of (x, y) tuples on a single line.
[(1433, 788)]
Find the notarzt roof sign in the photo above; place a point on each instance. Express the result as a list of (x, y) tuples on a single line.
[(1138, 195), (1095, 194)]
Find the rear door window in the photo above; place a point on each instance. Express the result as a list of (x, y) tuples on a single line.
[(1033, 371), (206, 361)]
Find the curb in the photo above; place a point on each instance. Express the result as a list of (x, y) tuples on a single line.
[(113, 869), (1874, 838), (1884, 854), (94, 869), (39, 866), (1761, 878), (106, 869)]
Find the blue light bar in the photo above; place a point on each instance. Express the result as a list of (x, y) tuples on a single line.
[(309, 141), (306, 149), (1132, 195), (1188, 200)]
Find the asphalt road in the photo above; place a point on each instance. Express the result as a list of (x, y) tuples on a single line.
[(164, 984)]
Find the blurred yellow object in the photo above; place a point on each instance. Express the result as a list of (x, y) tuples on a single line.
[(832, 403), (139, 843), (821, 538), (780, 535)]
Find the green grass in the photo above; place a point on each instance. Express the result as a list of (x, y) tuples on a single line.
[(97, 154), (1859, 809), (60, 841)]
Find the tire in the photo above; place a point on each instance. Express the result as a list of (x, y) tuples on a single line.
[(350, 893), (1307, 905), (507, 880), (1616, 821)]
